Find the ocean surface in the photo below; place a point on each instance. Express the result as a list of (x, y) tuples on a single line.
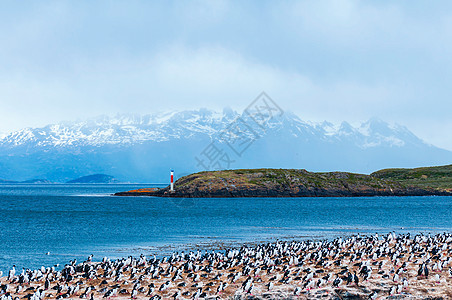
[(74, 221)]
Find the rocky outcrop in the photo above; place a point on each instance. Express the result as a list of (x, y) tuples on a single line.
[(283, 183)]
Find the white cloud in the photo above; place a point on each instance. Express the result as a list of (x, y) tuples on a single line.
[(182, 78), (359, 25), (334, 60)]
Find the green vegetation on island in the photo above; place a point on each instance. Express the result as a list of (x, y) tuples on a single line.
[(288, 183), (426, 177)]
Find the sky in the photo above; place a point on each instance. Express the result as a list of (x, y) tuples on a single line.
[(339, 60)]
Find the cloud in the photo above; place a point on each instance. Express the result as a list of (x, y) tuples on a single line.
[(181, 78), (334, 60)]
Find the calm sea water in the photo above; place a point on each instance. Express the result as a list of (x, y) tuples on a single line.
[(73, 221)]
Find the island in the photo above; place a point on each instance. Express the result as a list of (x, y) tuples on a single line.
[(302, 183), (95, 178), (30, 181)]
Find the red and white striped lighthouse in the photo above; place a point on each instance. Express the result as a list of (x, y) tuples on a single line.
[(172, 181)]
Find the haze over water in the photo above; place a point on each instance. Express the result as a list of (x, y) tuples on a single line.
[(73, 221)]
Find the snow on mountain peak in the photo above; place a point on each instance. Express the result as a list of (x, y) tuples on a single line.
[(127, 129)]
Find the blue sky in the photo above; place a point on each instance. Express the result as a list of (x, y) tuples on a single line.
[(324, 60)]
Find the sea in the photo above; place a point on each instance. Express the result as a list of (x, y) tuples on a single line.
[(51, 224)]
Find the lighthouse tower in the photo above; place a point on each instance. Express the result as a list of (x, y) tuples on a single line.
[(172, 181)]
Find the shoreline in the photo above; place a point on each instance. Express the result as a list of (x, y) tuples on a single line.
[(375, 266), (246, 193), (209, 243), (178, 196)]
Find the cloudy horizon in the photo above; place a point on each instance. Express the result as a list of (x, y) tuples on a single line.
[(330, 60)]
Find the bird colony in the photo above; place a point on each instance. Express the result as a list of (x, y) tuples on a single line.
[(356, 267)]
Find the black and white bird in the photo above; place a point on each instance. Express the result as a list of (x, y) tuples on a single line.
[(11, 273), (355, 278), (337, 281), (134, 294), (164, 286), (176, 295), (392, 291)]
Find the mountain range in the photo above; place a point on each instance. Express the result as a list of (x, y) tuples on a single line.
[(143, 148)]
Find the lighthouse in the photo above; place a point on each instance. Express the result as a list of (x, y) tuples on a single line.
[(172, 181)]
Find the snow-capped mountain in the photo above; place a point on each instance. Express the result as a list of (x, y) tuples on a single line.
[(135, 129), (120, 130), (144, 147)]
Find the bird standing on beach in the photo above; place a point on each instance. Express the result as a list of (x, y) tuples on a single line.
[(11, 273), (392, 291), (110, 293), (134, 294), (337, 281), (355, 279), (176, 295), (164, 286), (19, 289), (150, 291), (420, 271), (197, 294), (220, 288), (247, 284)]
